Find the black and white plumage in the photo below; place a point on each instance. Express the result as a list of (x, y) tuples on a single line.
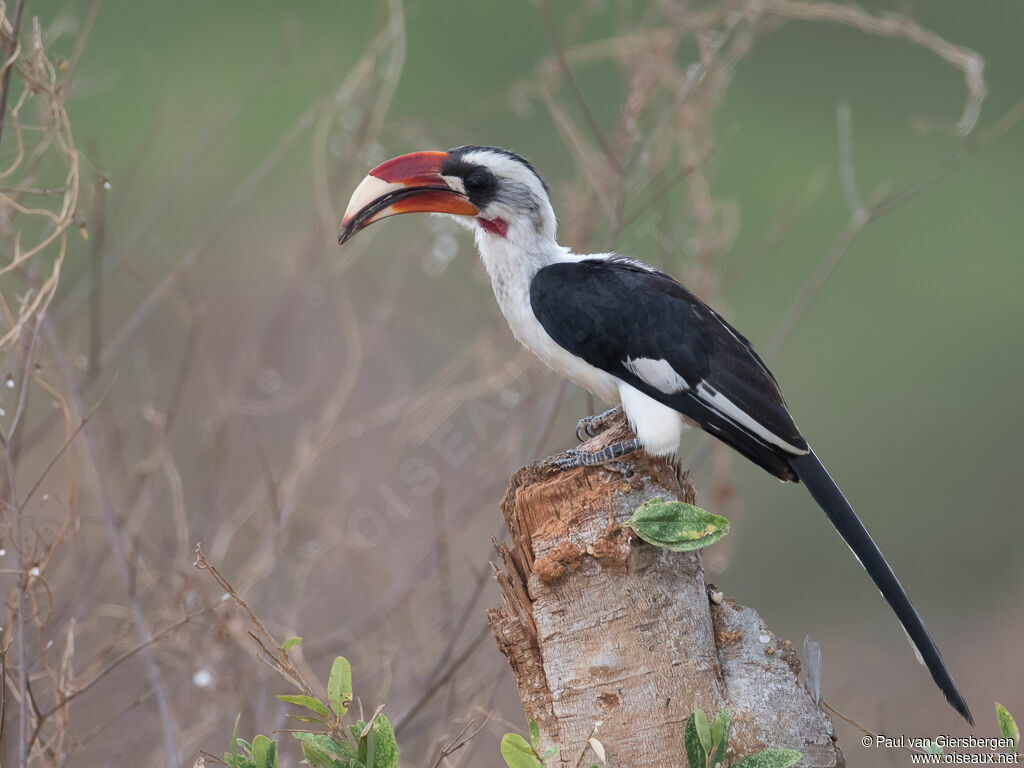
[(672, 348), (628, 333)]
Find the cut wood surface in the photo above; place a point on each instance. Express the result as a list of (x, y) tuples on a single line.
[(607, 633)]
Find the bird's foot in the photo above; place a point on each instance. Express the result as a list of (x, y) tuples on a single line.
[(579, 458), (590, 426)]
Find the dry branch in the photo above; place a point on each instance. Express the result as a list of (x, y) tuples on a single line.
[(604, 631)]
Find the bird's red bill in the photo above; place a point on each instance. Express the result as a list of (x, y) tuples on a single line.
[(412, 169), (407, 184)]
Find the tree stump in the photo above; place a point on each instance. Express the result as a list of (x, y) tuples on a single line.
[(606, 632)]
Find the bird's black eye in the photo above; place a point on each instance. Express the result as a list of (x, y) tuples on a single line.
[(478, 181)]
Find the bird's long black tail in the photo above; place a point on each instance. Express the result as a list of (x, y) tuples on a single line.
[(824, 490)]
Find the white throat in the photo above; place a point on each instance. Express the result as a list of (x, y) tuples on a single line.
[(512, 262)]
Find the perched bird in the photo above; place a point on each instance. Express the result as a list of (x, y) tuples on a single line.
[(628, 333)]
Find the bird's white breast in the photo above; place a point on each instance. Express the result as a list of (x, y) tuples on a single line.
[(511, 274), (511, 270)]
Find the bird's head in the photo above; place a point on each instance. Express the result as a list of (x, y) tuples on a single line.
[(492, 189)]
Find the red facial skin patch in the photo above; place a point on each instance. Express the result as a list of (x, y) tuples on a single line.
[(497, 227)]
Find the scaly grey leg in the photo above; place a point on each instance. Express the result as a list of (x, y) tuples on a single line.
[(581, 458), (591, 425)]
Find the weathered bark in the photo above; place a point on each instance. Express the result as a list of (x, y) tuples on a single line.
[(600, 627)]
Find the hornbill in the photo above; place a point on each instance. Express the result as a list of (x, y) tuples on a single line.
[(628, 333)]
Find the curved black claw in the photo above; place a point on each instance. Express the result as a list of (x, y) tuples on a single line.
[(590, 426)]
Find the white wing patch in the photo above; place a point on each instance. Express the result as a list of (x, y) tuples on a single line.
[(727, 409), (658, 373)]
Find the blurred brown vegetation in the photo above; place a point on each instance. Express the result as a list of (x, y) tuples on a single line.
[(287, 425)]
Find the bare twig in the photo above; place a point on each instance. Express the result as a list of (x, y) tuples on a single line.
[(570, 79), (272, 650), (462, 738), (121, 559), (5, 81), (898, 26), (66, 444), (861, 216), (114, 664), (438, 683), (862, 729)]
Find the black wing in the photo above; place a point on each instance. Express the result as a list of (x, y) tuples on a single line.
[(610, 311)]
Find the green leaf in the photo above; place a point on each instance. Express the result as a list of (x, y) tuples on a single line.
[(677, 526), (695, 753), (357, 734), (931, 747), (304, 719), (1008, 726), (700, 722), (321, 740), (319, 758), (307, 702), (264, 752), (290, 643), (378, 748), (234, 738), (720, 735), (386, 752), (534, 735), (339, 686), (344, 751), (518, 753), (232, 758), (770, 758), (370, 757), (550, 752)]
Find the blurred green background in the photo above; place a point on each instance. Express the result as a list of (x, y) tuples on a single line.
[(904, 373)]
